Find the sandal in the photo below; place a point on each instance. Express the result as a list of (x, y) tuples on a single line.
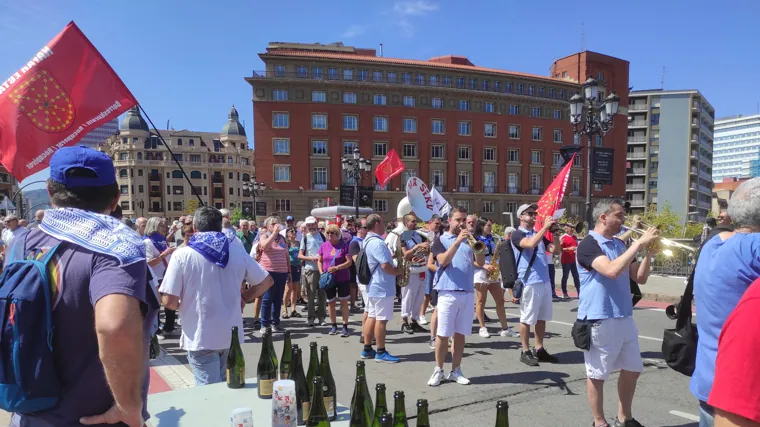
[(285, 315)]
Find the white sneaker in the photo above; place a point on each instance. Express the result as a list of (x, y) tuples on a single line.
[(456, 376), (484, 333), (509, 332), (436, 378), (430, 309), (262, 331), (432, 343), (423, 321), (276, 329)]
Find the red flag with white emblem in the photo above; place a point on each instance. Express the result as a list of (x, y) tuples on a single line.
[(389, 167), (551, 200), (66, 90)]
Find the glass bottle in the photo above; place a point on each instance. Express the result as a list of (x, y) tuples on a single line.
[(235, 362), (328, 387), (318, 414), (399, 410), (303, 399), (381, 406), (423, 420), (361, 410), (313, 371), (286, 361), (266, 371), (502, 414)]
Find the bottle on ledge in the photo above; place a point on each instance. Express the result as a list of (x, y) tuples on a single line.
[(303, 400), (266, 371), (271, 347), (328, 388), (386, 420), (286, 361), (361, 410), (399, 410), (235, 362), (318, 413), (502, 414), (313, 371), (361, 372), (381, 406), (423, 420)]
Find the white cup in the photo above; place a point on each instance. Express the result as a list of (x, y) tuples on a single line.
[(284, 409), (241, 417)]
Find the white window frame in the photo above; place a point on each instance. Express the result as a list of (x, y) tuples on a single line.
[(577, 161), (313, 146), (437, 103), (348, 74), (557, 115), (516, 152), (488, 107), (489, 182), (468, 150), (282, 116), (432, 152), (407, 174), (375, 147), (514, 131), (317, 120), (536, 157), (556, 159), (513, 181), (464, 204), (351, 119), (383, 120), (409, 150), (348, 147), (514, 109), (492, 133), (280, 94), (318, 96), (576, 184), (488, 206), (535, 112), (537, 133), (435, 173), (409, 101), (433, 123), (280, 171), (464, 105), (380, 99), (469, 128), (409, 125), (558, 136), (349, 97), (282, 205), (535, 178), (276, 142), (380, 205), (319, 171)]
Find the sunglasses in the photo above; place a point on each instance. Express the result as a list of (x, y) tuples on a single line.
[(529, 213)]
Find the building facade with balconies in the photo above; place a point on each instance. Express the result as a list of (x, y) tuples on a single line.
[(737, 147), (670, 152), (487, 139), (152, 184)]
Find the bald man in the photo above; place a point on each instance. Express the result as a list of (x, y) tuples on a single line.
[(37, 219), (141, 223)]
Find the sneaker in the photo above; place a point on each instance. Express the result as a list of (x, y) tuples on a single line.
[(387, 358), (405, 328), (368, 354), (262, 331), (556, 297), (432, 343), (344, 332), (437, 377), (527, 358), (310, 323), (361, 339), (430, 309), (256, 323), (457, 377), (333, 330), (305, 308), (565, 296), (628, 423), (417, 328), (509, 332), (484, 333), (323, 323), (486, 319), (294, 313), (543, 356), (276, 329), (423, 321)]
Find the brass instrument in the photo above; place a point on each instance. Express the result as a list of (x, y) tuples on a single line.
[(477, 246), (493, 275), (657, 245), (403, 279), (557, 227)]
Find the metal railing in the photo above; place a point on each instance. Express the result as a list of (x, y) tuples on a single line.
[(637, 139), (637, 202), (513, 189), (639, 171), (535, 191), (635, 155), (464, 188), (319, 186), (637, 123), (575, 192), (680, 264), (440, 188), (638, 107), (641, 186), (489, 188)]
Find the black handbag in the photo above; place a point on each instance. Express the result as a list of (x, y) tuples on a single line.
[(581, 333), (679, 345), (519, 285)]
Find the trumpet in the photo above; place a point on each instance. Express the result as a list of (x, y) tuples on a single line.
[(477, 246), (664, 242), (557, 226)]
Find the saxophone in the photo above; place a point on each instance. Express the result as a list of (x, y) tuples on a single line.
[(493, 275), (403, 279)]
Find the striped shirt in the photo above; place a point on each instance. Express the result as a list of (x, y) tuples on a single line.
[(276, 259)]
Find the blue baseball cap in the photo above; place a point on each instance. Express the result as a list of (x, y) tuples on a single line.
[(86, 158), (289, 218)]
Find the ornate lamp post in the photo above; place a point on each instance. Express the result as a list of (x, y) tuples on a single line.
[(255, 189), (590, 117), (355, 169)]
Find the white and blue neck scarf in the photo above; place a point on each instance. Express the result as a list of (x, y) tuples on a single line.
[(214, 246), (159, 241), (97, 232)]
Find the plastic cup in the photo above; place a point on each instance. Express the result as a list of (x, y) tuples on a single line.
[(241, 417), (284, 410)]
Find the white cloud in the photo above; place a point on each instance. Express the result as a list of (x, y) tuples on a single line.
[(405, 27), (414, 7), (353, 31)]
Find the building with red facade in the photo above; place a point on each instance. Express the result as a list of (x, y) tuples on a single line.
[(488, 139)]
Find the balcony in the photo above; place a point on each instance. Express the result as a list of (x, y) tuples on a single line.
[(694, 170), (635, 187), (155, 194), (154, 177), (637, 124), (695, 106), (693, 186), (637, 203), (705, 128), (576, 192), (638, 171), (440, 188), (637, 140), (705, 175), (535, 191), (513, 189), (635, 155), (320, 186), (694, 154), (218, 180), (464, 188), (218, 196), (692, 202), (638, 107), (378, 187), (705, 189), (489, 189)]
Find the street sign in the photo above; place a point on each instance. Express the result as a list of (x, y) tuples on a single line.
[(191, 206), (365, 196), (602, 165)]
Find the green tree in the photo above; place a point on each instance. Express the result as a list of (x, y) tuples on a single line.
[(668, 222), (236, 215)]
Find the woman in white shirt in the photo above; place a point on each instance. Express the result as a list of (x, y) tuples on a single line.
[(158, 253)]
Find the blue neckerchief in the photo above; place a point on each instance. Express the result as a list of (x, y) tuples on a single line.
[(99, 233), (214, 246), (159, 241)]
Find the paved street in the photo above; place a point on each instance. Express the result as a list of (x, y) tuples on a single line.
[(545, 395)]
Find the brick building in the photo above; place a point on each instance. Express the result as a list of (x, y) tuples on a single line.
[(487, 139)]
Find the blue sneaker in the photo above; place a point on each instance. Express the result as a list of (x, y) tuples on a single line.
[(368, 354), (333, 330), (387, 358)]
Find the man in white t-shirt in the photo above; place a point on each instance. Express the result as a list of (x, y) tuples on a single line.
[(202, 281), (308, 253)]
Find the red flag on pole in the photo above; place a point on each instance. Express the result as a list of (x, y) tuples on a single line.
[(551, 200), (389, 167), (66, 90)]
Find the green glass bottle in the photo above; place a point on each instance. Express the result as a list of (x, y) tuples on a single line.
[(313, 371), (386, 420), (361, 409), (286, 361), (303, 399), (235, 362), (423, 420), (361, 372), (266, 371), (318, 414), (328, 389), (399, 410), (271, 347), (381, 406), (502, 414)]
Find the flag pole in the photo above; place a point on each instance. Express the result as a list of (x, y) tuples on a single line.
[(192, 187)]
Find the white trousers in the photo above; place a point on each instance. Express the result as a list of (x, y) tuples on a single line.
[(412, 296)]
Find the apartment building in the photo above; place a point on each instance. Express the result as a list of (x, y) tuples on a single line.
[(97, 136), (737, 145), (488, 139), (670, 152), (152, 184)]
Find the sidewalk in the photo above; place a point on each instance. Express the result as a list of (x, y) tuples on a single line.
[(666, 289)]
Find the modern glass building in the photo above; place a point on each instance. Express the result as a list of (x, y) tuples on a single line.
[(737, 145)]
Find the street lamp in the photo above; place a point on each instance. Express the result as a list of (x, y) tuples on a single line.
[(590, 118), (255, 189), (355, 169)]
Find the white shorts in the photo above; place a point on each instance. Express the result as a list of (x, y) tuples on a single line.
[(536, 303), (614, 346), (455, 313), (363, 290), (481, 276), (380, 308)]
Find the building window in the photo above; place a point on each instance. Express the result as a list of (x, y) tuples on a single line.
[(531, 90), (508, 87), (552, 93), (514, 109), (361, 75), (281, 147), (489, 154), (124, 189), (409, 150), (349, 147), (511, 207), (179, 190), (280, 94), (302, 71), (513, 182), (318, 96), (406, 78), (279, 71), (433, 80), (576, 139), (348, 74), (558, 135), (380, 99), (463, 152), (438, 127), (485, 84), (562, 94), (463, 181), (537, 134), (514, 155), (464, 204), (535, 112), (282, 205), (381, 149), (447, 81), (576, 186), (558, 114), (437, 103), (319, 121), (597, 187), (600, 76), (332, 73), (408, 101), (460, 82), (319, 178), (410, 125), (465, 128), (407, 174), (464, 105), (419, 79), (577, 160), (541, 91), (196, 158), (281, 173), (514, 131), (488, 107), (350, 122), (316, 73), (281, 120), (472, 83), (436, 151), (556, 159), (598, 140), (536, 157), (377, 76), (391, 77), (488, 206), (489, 182), (380, 124), (437, 180), (318, 148), (489, 130), (349, 98), (520, 88), (535, 181), (380, 205)]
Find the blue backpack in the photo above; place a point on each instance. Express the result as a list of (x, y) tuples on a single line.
[(28, 378)]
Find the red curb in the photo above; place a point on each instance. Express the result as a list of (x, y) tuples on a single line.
[(157, 384)]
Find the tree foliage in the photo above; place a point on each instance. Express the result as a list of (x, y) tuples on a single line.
[(236, 215)]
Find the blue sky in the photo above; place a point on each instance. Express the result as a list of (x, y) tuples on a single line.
[(185, 61)]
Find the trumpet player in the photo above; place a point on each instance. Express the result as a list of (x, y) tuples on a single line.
[(414, 250)]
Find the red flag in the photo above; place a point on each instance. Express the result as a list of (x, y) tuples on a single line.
[(66, 90), (552, 197), (389, 167)]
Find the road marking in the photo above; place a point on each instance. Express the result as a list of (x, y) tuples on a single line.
[(689, 417), (173, 371)]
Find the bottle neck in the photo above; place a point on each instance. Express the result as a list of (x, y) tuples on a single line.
[(380, 399), (235, 339), (360, 371), (399, 407)]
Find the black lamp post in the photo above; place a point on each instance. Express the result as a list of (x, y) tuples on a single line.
[(590, 117), (255, 189), (355, 169)]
